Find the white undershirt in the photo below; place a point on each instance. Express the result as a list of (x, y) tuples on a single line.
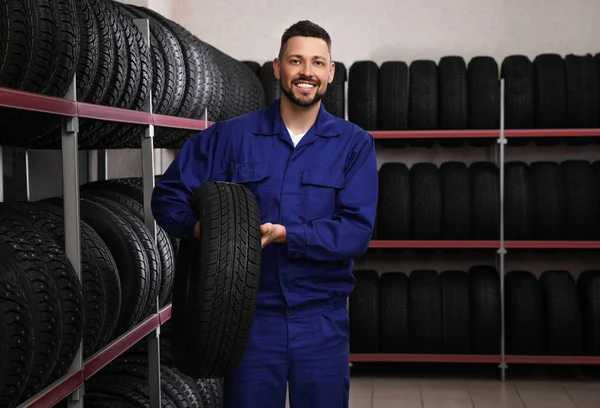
[(295, 138)]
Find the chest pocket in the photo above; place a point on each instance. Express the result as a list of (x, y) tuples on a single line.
[(319, 192), (257, 178)]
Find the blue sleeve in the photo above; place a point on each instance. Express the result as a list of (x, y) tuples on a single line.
[(204, 157), (348, 233)]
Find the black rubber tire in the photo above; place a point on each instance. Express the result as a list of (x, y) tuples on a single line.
[(131, 260), (563, 315), (254, 67), (581, 200), (548, 213), (392, 103), (99, 268), (525, 319), (519, 201), (363, 310), (423, 94), (126, 377), (394, 204), (485, 305), (17, 42), (270, 83), (456, 320), (550, 95), (17, 335), (163, 243), (453, 110), (519, 93), (210, 336), (393, 313), (334, 100), (151, 282), (582, 90), (93, 294), (19, 240), (89, 45), (588, 286), (425, 327), (426, 202), (456, 201), (485, 201), (483, 97), (363, 78)]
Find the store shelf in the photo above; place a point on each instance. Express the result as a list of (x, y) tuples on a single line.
[(486, 244), (101, 359), (553, 244), (583, 360), (11, 98), (434, 134), (551, 132), (165, 314), (65, 386), (423, 358), (470, 134), (434, 244)]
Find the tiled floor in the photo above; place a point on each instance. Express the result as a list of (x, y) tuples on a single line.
[(448, 393)]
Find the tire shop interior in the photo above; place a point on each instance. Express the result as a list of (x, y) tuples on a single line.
[(481, 286)]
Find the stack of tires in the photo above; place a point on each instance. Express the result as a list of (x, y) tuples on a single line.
[(49, 42)]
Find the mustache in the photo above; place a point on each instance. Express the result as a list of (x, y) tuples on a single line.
[(303, 78)]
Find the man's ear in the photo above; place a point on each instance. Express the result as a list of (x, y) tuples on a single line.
[(331, 72), (276, 68)]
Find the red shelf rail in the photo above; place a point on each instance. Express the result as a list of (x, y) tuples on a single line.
[(10, 98), (486, 244), (65, 386), (578, 360), (423, 358)]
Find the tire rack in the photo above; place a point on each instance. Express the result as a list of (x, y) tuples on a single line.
[(72, 384), (500, 246)]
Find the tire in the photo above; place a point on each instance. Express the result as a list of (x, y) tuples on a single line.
[(426, 201), (453, 108), (392, 103), (519, 201), (484, 298), (393, 312), (588, 286), (394, 204), (363, 78), (210, 336), (335, 98), (425, 327), (16, 332), (456, 201), (483, 97), (364, 313), (549, 216)]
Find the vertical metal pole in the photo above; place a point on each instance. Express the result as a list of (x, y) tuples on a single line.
[(27, 178), (102, 165), (70, 166), (502, 249), (147, 143), (1, 174)]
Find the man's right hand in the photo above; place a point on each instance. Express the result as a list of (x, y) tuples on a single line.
[(197, 230)]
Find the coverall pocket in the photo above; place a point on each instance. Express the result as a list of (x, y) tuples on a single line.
[(256, 178), (319, 191)]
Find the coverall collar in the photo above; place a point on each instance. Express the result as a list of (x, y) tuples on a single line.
[(325, 125)]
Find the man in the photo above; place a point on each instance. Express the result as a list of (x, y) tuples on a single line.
[(315, 180)]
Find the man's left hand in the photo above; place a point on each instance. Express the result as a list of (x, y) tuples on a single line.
[(272, 233)]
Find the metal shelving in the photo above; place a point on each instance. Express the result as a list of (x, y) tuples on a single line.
[(72, 384), (499, 246)]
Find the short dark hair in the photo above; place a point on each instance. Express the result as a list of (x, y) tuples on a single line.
[(304, 28)]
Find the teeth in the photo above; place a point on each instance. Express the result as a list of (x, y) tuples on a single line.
[(305, 86)]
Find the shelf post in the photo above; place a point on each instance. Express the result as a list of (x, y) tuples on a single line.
[(502, 249), (70, 168), (147, 145)]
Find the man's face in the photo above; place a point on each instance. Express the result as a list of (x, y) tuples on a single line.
[(304, 70)]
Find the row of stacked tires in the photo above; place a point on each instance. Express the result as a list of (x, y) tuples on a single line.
[(459, 201), (125, 381), (46, 311), (548, 92), (48, 42), (459, 312)]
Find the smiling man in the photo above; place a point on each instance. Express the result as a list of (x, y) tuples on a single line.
[(315, 179)]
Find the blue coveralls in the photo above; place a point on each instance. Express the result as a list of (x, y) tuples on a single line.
[(324, 192)]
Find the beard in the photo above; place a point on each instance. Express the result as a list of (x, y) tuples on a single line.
[(303, 101)]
